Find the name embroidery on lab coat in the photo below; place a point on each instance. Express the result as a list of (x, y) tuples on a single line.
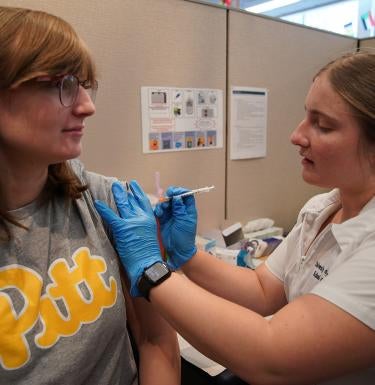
[(320, 271)]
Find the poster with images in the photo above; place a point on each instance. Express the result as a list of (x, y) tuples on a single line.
[(181, 119)]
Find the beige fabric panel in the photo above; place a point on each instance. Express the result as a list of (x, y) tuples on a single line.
[(148, 43), (370, 43), (282, 58), (183, 44)]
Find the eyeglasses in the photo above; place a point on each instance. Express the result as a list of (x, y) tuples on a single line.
[(68, 86)]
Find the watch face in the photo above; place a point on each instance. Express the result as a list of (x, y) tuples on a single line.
[(156, 271), (153, 276)]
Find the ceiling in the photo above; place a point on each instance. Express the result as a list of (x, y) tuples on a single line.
[(280, 11)]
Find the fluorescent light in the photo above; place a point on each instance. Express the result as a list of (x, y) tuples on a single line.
[(269, 5)]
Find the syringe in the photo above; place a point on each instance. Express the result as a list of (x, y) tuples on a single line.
[(187, 193)]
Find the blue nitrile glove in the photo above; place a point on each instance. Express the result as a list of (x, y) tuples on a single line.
[(178, 225), (134, 231)]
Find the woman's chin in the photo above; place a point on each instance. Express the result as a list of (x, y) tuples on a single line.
[(74, 152), (310, 178), (315, 181), (67, 156)]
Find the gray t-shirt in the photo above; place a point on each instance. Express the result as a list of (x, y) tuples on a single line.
[(62, 310)]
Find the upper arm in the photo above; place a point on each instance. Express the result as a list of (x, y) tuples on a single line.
[(313, 339), (330, 330), (307, 341), (271, 273), (273, 290)]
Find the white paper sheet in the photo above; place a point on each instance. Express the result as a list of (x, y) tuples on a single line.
[(248, 122)]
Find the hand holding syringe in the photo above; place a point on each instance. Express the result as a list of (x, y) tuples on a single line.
[(187, 193)]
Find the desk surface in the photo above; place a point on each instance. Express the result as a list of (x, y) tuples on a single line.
[(198, 359)]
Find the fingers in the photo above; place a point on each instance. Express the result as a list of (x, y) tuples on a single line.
[(190, 204), (172, 191), (178, 207), (185, 205), (139, 196), (121, 198), (105, 212), (129, 202), (161, 208)]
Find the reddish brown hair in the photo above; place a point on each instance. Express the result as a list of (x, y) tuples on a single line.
[(35, 43)]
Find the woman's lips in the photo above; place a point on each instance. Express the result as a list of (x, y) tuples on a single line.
[(77, 131), (74, 129), (307, 161)]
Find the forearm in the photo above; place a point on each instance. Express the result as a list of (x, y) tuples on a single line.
[(223, 331), (159, 362), (236, 284), (159, 354), (309, 341)]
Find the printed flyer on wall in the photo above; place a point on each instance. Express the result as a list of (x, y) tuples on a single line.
[(180, 119), (248, 122)]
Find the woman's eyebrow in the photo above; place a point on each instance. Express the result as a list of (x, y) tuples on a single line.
[(322, 114)]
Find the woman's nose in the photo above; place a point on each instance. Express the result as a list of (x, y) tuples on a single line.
[(298, 136), (84, 105)]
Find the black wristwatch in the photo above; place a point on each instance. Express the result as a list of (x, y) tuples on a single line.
[(152, 276)]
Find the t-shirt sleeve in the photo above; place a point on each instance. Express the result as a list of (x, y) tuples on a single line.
[(352, 285), (100, 186)]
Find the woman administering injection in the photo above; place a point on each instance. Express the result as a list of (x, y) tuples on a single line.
[(318, 284)]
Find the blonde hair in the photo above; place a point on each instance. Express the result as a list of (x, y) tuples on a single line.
[(352, 76), (35, 43)]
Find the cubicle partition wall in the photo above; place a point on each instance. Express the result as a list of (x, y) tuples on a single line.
[(169, 43), (166, 43), (283, 58), (177, 43), (369, 43)]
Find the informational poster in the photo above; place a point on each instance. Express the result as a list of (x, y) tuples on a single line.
[(248, 123), (180, 119)]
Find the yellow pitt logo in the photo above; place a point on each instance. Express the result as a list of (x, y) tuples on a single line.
[(65, 287)]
